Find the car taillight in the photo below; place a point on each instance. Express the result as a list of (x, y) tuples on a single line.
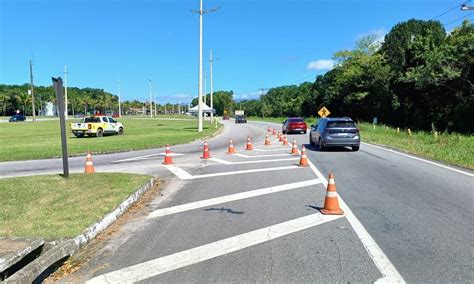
[(89, 126)]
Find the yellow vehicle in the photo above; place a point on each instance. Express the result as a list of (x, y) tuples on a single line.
[(97, 126)]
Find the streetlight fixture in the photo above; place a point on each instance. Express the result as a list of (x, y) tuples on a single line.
[(201, 12), (464, 7)]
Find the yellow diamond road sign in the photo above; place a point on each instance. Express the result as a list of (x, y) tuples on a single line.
[(323, 112)]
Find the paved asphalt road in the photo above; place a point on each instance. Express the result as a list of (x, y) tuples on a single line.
[(254, 217)]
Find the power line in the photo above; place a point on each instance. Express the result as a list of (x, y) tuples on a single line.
[(460, 18), (455, 7)]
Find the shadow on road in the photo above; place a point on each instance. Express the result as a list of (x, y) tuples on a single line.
[(226, 210)]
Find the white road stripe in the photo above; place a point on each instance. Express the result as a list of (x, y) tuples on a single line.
[(420, 159), (144, 157), (251, 162), (388, 270), (229, 198), (185, 258), (270, 150), (260, 156), (182, 174)]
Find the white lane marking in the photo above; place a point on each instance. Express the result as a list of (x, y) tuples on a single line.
[(195, 255), (388, 270), (251, 162), (220, 161), (420, 159), (229, 198), (259, 156), (270, 150), (182, 174), (144, 157)]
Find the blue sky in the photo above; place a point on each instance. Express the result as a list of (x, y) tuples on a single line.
[(259, 44)]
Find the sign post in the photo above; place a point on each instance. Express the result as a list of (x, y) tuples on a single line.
[(58, 88)]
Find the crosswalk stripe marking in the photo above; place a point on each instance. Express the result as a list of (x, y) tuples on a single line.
[(232, 197), (182, 174), (185, 258)]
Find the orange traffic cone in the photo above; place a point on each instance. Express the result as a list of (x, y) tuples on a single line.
[(89, 169), (303, 159), (231, 149), (267, 140), (205, 152), (331, 203), (249, 144), (285, 140), (269, 130), (274, 131), (294, 148), (168, 160), (280, 136)]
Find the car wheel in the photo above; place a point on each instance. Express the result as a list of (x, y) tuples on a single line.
[(100, 132), (306, 131), (311, 142), (120, 131), (355, 148), (320, 145)]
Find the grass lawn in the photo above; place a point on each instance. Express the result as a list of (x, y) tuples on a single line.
[(23, 141), (455, 149), (55, 207)]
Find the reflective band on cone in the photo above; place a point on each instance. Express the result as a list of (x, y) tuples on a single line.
[(89, 169), (303, 159), (249, 145), (331, 202), (205, 152), (168, 160), (294, 148), (267, 141), (231, 149)]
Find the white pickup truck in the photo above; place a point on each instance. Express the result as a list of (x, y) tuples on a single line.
[(97, 126)]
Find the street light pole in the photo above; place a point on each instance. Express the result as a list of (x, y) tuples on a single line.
[(151, 100), (201, 12), (119, 100), (211, 60)]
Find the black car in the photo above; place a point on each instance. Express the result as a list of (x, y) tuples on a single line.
[(335, 131), (240, 119), (17, 117)]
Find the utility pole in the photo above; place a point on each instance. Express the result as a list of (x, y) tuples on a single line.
[(65, 92), (154, 93), (32, 92), (119, 99), (212, 103), (151, 101), (201, 12)]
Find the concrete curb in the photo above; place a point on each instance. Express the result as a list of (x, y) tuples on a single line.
[(5, 263), (31, 271)]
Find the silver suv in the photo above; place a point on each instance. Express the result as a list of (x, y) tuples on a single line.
[(335, 131)]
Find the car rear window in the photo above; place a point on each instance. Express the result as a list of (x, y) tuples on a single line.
[(295, 120), (335, 124), (91, 119)]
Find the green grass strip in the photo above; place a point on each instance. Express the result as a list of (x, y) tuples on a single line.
[(26, 140), (55, 207)]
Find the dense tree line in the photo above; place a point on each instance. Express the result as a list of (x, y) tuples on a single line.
[(420, 76)]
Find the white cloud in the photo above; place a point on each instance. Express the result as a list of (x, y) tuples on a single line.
[(378, 33), (321, 64)]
